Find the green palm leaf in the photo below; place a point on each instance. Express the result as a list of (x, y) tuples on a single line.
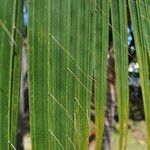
[(83, 82), (60, 58), (119, 28), (101, 22), (16, 73), (58, 67), (141, 29), (38, 72), (10, 62)]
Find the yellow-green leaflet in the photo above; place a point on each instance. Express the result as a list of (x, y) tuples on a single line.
[(141, 25)]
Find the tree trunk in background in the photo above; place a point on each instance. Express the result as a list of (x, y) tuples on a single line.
[(110, 101), (23, 119), (110, 106)]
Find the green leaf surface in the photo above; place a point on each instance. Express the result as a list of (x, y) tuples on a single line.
[(58, 31), (10, 53), (140, 31), (100, 48), (38, 73), (119, 29), (16, 73)]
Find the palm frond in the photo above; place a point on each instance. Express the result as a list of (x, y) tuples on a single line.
[(83, 82), (16, 72), (10, 62), (140, 30), (38, 73), (119, 29), (101, 20)]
